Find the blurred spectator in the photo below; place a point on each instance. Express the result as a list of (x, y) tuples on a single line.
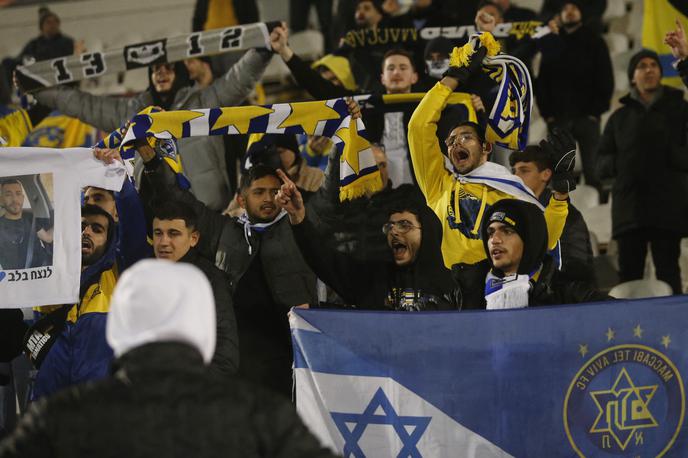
[(520, 274), (175, 236), (205, 163), (25, 242), (160, 394), (575, 84), (51, 43), (592, 11), (424, 13), (535, 168), (462, 10), (281, 151), (490, 14), (415, 280), (514, 13), (257, 251), (299, 12), (436, 56), (216, 14), (200, 71), (343, 21), (648, 204)]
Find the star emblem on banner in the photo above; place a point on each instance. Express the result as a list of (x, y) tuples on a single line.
[(409, 429), (623, 409), (308, 115)]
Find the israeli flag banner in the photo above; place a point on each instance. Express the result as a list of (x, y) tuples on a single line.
[(593, 380)]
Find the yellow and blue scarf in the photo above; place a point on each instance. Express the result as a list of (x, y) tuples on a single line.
[(329, 118), (508, 122)]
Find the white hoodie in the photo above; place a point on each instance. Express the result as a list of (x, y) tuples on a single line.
[(162, 301)]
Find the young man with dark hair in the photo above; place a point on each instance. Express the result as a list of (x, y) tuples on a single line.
[(534, 166), (265, 270), (175, 236)]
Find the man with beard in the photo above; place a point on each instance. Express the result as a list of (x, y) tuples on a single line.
[(17, 232), (648, 205), (415, 280), (575, 83), (265, 270), (203, 158), (76, 349)]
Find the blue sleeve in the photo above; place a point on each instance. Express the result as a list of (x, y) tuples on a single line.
[(132, 234)]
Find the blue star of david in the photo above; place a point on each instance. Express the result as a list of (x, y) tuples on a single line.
[(390, 417)]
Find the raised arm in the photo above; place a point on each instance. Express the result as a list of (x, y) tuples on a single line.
[(337, 270), (305, 76), (234, 86), (103, 112)]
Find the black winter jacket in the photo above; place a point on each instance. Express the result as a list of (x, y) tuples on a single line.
[(161, 401), (644, 149), (225, 361), (576, 77)]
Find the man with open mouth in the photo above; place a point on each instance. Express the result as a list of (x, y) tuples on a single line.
[(461, 197), (414, 280)]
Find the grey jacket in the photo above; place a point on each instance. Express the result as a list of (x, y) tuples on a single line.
[(203, 158)]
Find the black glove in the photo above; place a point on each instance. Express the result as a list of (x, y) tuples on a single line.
[(463, 74), (561, 148)]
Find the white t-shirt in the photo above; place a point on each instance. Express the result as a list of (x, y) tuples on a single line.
[(396, 148), (51, 181)]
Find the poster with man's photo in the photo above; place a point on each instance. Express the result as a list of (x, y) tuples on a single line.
[(40, 221), (26, 225)]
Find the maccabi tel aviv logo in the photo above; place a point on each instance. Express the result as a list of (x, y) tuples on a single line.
[(626, 400)]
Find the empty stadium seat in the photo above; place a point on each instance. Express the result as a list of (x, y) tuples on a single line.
[(617, 42), (636, 289), (599, 221), (585, 196), (308, 44), (615, 9)]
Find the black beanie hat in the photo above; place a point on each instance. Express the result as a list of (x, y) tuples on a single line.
[(637, 57), (529, 223)]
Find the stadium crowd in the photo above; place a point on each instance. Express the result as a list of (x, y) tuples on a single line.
[(189, 272)]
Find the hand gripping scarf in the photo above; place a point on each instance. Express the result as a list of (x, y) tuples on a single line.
[(508, 122)]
